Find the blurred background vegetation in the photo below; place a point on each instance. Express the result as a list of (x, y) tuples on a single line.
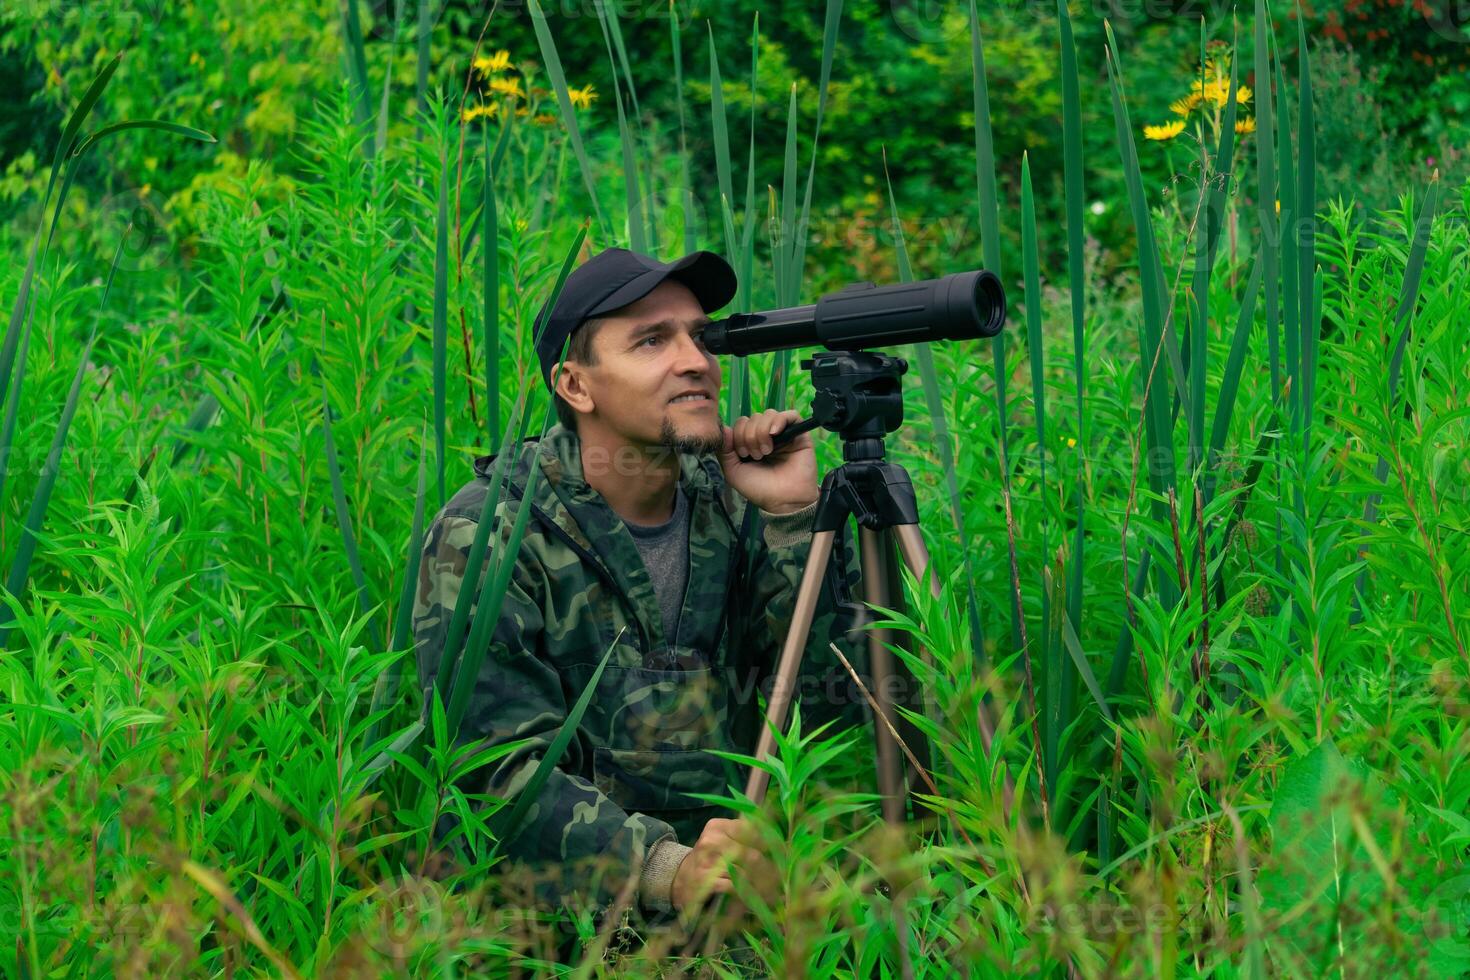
[(1392, 101)]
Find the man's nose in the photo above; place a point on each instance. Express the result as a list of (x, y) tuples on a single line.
[(691, 356)]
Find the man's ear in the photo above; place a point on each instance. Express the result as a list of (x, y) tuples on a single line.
[(571, 385)]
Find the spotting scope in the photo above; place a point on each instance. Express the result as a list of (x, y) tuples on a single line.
[(959, 306)]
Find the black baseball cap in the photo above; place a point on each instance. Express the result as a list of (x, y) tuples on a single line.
[(615, 277)]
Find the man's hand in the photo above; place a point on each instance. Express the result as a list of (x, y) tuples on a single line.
[(705, 870), (780, 480)]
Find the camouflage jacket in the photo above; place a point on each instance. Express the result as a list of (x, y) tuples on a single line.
[(579, 586)]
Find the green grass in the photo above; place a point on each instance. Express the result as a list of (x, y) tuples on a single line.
[(1197, 670)]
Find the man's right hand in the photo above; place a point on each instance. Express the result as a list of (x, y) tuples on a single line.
[(705, 870)]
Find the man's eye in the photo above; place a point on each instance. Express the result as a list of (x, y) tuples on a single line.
[(648, 340)]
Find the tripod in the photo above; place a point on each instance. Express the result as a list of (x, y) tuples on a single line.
[(859, 397)]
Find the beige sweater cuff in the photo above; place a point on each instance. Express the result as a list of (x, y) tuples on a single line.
[(785, 530), (656, 882)]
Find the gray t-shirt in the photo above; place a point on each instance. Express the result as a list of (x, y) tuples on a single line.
[(665, 551)]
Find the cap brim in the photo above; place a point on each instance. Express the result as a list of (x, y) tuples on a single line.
[(709, 277)]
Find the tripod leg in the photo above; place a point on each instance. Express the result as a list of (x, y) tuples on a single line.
[(916, 555), (907, 691), (790, 663), (880, 664)]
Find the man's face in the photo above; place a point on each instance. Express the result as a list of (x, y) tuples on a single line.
[(653, 383)]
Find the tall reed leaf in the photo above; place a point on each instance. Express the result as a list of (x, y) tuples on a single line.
[(387, 684), (344, 522), (1306, 238), (1049, 651), (449, 658), (356, 65), (676, 46), (441, 309), (1214, 190), (1270, 240), (1157, 426), (490, 288), (635, 202), (1074, 172), (564, 102), (989, 202), (939, 418)]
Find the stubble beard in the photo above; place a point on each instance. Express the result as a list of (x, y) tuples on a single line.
[(696, 445)]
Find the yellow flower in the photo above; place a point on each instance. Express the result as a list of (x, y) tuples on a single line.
[(1243, 94), (509, 87), (1186, 105), (1246, 125), (489, 64), (1167, 131), (582, 97), (474, 112), (544, 119), (1278, 206), (1071, 442), (1217, 91)]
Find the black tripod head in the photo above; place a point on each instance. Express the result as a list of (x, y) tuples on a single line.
[(859, 396)]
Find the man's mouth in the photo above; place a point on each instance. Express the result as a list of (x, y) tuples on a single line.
[(695, 397)]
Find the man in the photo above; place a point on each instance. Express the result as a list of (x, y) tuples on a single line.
[(638, 497)]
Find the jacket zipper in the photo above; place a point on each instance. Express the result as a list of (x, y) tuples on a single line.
[(586, 556)]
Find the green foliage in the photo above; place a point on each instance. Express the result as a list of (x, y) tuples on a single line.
[(1241, 680)]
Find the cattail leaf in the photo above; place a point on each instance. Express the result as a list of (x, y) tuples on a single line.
[(441, 316), (1234, 365), (387, 684), (344, 521), (449, 658), (1074, 170), (829, 47), (188, 132), (676, 45), (939, 418), (1053, 667), (563, 100), (1306, 237), (989, 198), (1155, 329), (490, 289), (356, 62), (1270, 244)]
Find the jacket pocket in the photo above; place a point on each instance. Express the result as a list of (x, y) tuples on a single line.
[(642, 709)]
